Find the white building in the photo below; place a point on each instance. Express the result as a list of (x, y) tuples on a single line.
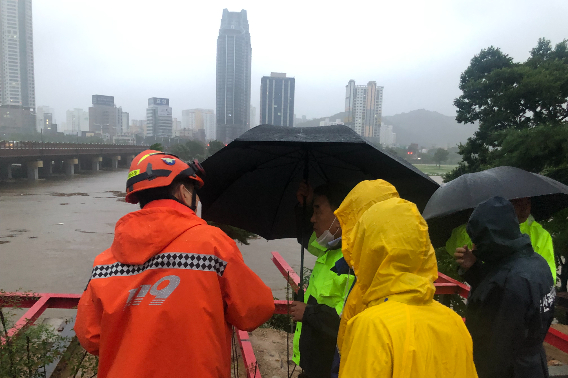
[(40, 116), (158, 118), (364, 107), (387, 136), (16, 54), (125, 124), (199, 119), (327, 122), (77, 121), (176, 127)]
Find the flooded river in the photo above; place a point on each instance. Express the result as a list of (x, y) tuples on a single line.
[(51, 231)]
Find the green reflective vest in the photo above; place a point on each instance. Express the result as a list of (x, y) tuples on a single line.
[(540, 239), (325, 286)]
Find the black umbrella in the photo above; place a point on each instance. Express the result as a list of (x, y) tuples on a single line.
[(452, 204), (252, 183)]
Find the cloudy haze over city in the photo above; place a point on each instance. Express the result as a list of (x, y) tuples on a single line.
[(135, 50)]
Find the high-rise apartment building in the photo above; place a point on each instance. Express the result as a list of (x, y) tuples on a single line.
[(103, 118), (234, 54), (77, 121), (158, 118), (388, 137), (199, 121), (364, 108), (16, 54), (277, 100)]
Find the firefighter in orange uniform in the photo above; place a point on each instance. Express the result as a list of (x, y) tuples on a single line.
[(162, 300)]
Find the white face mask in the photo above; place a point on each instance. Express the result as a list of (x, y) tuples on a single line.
[(327, 236)]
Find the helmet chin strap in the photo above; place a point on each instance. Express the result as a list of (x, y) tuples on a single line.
[(193, 200)]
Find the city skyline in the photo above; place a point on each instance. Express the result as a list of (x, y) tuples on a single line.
[(420, 68)]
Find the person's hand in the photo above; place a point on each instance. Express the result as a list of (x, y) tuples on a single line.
[(297, 310), (305, 190), (465, 257)]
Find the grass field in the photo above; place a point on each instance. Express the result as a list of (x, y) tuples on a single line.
[(434, 170)]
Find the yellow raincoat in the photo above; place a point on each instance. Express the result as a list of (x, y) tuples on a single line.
[(397, 330)]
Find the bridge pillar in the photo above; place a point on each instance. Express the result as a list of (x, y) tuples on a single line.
[(95, 163), (129, 159), (6, 171), (70, 166), (33, 169), (48, 168), (115, 160)]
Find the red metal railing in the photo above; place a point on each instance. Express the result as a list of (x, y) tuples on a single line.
[(38, 303), (444, 285)]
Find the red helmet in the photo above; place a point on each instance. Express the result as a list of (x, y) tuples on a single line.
[(154, 169)]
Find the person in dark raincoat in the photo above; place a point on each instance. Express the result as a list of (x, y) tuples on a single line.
[(511, 304)]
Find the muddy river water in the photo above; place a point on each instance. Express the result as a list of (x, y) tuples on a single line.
[(51, 231)]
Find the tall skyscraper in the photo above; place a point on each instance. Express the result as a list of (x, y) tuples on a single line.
[(16, 54), (364, 107), (17, 85), (234, 55), (103, 118), (277, 100), (158, 118)]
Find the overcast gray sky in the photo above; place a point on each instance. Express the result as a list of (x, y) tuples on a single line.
[(134, 50)]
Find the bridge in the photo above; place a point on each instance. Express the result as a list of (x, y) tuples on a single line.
[(45, 158)]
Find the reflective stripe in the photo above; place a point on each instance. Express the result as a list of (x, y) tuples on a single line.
[(172, 260)]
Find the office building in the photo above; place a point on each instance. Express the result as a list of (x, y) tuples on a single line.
[(40, 118), (364, 108), (158, 118), (103, 119), (233, 93), (77, 121), (277, 100), (253, 122)]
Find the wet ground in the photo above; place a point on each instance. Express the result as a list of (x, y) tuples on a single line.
[(51, 231)]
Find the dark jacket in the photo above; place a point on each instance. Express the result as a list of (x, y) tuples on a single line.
[(320, 322), (511, 304)]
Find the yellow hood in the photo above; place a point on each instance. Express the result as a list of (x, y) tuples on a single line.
[(392, 254), (360, 199), (388, 248)]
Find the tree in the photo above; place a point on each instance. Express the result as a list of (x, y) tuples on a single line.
[(522, 109), (192, 149), (503, 95), (213, 147), (440, 156), (157, 147)]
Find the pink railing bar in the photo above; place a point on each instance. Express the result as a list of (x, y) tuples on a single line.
[(251, 366), (286, 271)]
